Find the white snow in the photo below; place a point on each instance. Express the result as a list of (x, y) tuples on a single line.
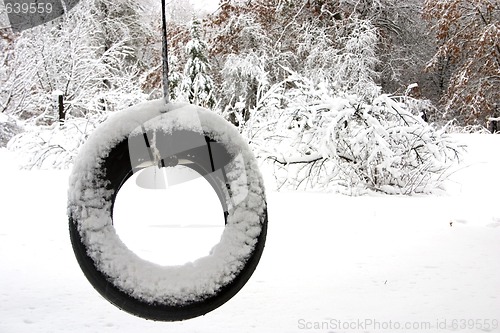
[(3, 118), (329, 260), (145, 232)]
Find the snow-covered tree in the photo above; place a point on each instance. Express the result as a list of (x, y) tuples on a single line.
[(72, 55), (120, 21), (7, 41), (197, 83), (241, 54), (92, 59), (245, 80), (175, 80), (356, 62), (469, 35), (180, 11)]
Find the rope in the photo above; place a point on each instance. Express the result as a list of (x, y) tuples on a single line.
[(166, 92)]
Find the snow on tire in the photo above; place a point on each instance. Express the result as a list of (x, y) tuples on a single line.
[(157, 134)]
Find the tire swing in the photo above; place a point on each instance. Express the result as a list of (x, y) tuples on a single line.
[(163, 134)]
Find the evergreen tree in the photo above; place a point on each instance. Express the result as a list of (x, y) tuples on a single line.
[(175, 79), (198, 84)]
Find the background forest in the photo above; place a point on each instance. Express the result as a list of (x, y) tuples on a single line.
[(353, 95)]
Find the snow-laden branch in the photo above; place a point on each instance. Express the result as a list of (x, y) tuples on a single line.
[(296, 160)]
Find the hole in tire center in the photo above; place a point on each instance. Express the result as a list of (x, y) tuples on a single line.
[(171, 225)]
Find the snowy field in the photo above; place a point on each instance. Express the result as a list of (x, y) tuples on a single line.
[(332, 263)]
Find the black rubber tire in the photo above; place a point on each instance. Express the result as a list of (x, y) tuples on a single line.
[(116, 169)]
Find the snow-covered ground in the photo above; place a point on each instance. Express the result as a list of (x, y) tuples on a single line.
[(332, 263)]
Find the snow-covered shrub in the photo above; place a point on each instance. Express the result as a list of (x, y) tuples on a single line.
[(55, 146), (320, 138), (454, 127), (8, 129)]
